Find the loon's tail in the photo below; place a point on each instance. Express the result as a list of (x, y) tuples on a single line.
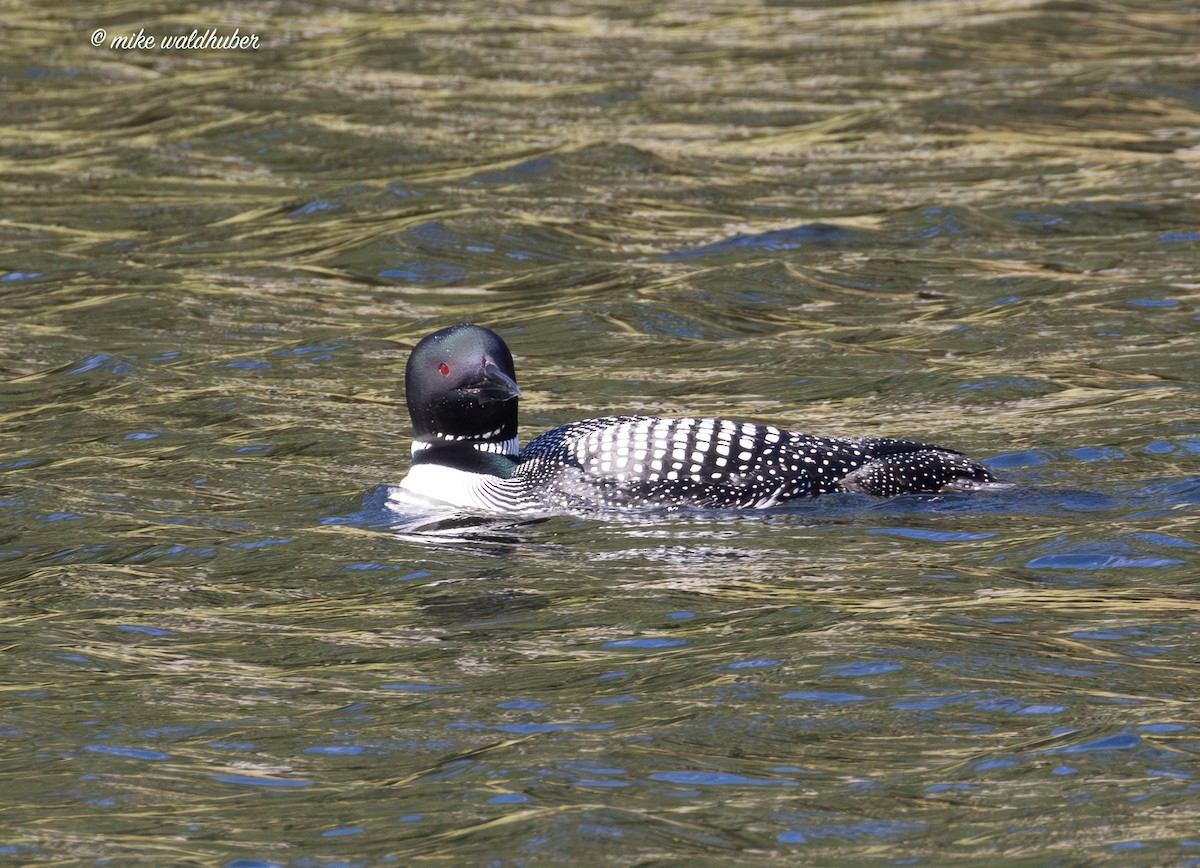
[(925, 469)]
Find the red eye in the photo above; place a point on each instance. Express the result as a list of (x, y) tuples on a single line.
[(444, 368)]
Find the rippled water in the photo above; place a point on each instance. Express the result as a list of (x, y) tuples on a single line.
[(974, 223)]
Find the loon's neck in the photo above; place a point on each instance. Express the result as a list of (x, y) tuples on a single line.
[(491, 459), (510, 447)]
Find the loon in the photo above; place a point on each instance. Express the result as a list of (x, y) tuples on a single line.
[(462, 395)]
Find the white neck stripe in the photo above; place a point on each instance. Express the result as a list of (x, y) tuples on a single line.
[(501, 447)]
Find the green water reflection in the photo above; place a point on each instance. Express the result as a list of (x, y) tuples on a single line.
[(975, 223)]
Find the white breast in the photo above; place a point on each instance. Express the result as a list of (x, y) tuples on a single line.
[(450, 486)]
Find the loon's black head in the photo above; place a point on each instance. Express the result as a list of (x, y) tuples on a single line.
[(461, 387)]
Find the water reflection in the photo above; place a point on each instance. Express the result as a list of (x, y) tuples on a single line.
[(972, 222)]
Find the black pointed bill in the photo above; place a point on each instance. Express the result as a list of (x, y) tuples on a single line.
[(495, 385)]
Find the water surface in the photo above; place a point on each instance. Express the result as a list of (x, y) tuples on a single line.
[(973, 223)]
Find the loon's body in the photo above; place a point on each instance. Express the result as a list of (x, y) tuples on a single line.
[(462, 396)]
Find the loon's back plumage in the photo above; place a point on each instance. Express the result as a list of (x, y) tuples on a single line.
[(635, 461)]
